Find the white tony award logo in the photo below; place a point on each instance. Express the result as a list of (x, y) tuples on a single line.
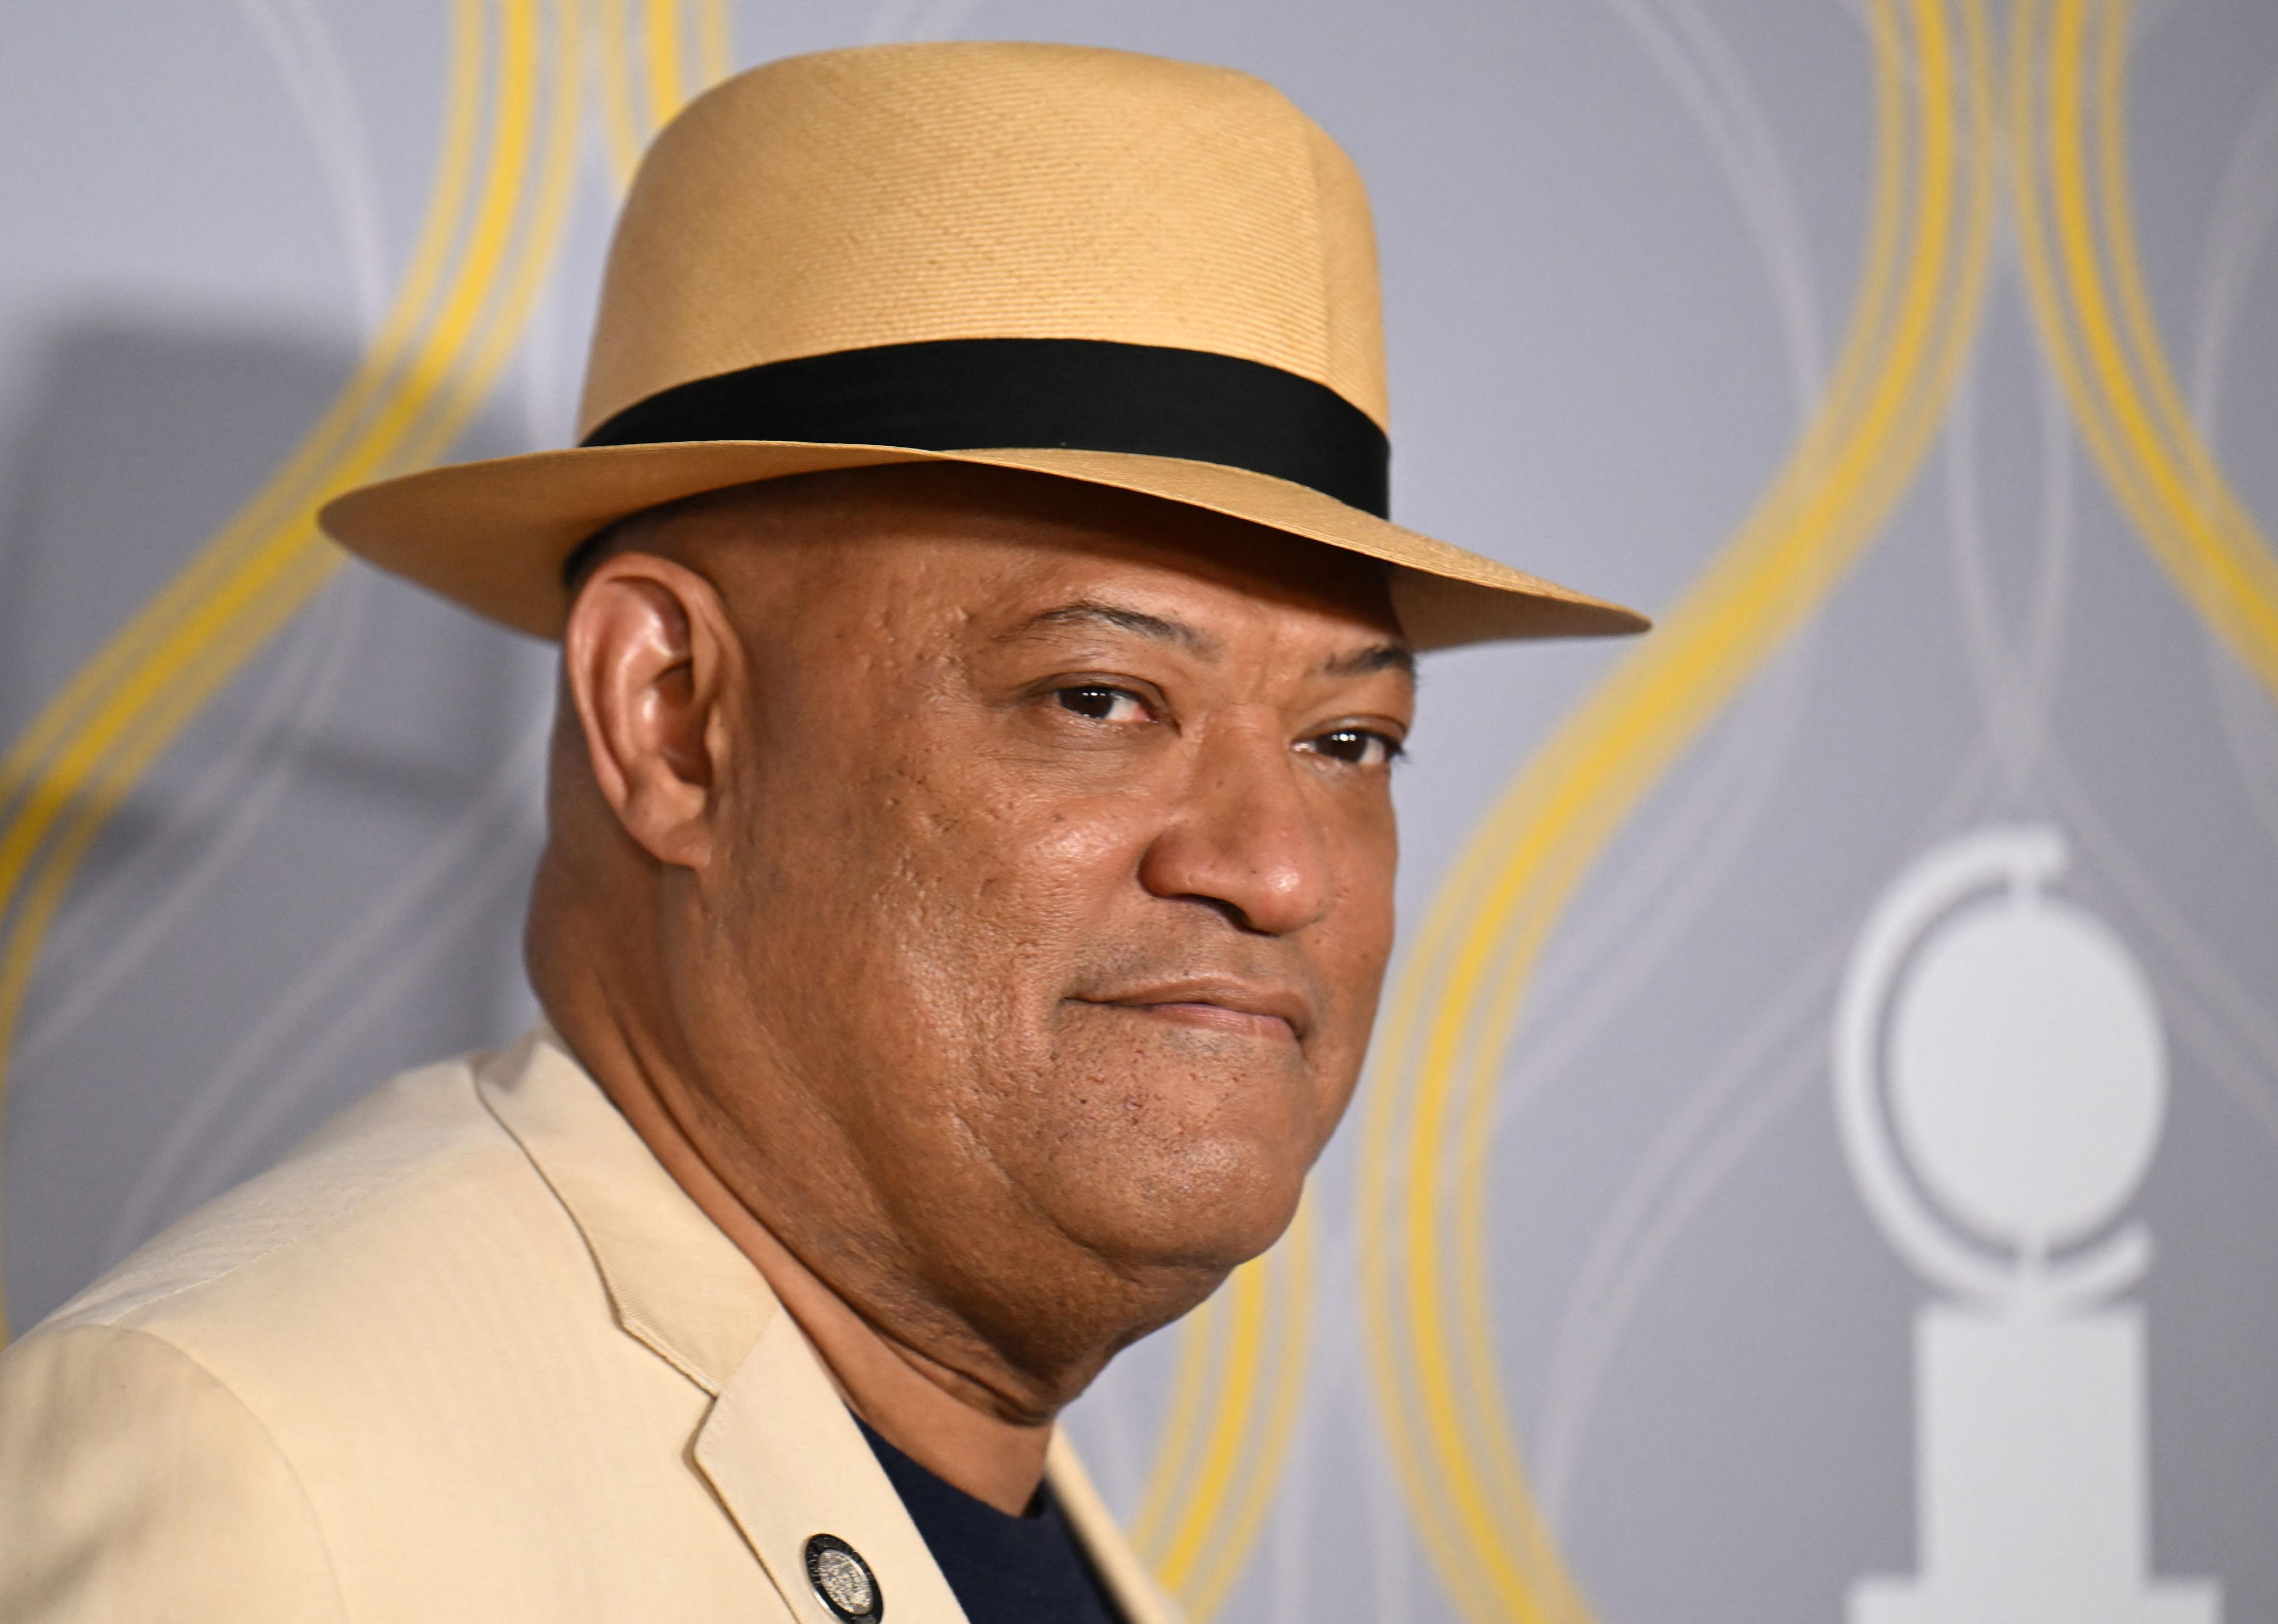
[(1999, 1079)]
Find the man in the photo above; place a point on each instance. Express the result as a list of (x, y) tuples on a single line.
[(968, 881)]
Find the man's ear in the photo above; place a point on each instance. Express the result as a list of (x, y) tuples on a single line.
[(647, 654)]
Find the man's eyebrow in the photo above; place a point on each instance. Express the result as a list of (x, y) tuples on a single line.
[(1367, 662), (1088, 611)]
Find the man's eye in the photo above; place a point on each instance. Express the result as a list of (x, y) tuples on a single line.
[(1361, 746), (1102, 703)]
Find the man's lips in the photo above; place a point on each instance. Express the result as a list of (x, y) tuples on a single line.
[(1219, 1003)]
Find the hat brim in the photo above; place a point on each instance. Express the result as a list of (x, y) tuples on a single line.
[(492, 536)]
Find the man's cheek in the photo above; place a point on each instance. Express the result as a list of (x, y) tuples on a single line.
[(1060, 824), (1056, 884)]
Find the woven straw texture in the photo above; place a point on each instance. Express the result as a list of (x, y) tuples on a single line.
[(903, 194)]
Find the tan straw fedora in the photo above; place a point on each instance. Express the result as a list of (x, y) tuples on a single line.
[(1109, 267)]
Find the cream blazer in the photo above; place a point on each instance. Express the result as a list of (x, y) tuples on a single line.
[(470, 1354)]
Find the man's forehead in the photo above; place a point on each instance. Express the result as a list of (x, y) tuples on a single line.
[(1012, 553)]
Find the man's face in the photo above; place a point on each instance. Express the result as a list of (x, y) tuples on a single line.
[(1055, 874)]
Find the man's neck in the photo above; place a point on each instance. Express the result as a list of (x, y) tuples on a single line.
[(937, 1416)]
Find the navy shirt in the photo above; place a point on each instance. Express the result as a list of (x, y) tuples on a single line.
[(1004, 1569)]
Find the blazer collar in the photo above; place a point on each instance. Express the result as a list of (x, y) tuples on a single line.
[(675, 1281), (778, 1446)]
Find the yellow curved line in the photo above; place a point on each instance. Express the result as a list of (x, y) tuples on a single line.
[(157, 652), (2157, 466), (716, 43), (1238, 1526), (1463, 1473), (666, 88), (623, 129), (2202, 498), (536, 239), (1220, 1454), (2119, 222), (1468, 873), (1595, 732), (87, 689), (632, 110), (1886, 216), (181, 649), (153, 729), (496, 219), (124, 660), (1181, 1433), (214, 589), (1758, 614), (1236, 1390)]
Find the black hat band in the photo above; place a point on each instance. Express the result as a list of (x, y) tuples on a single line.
[(1082, 394)]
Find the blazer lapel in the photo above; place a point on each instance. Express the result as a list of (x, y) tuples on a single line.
[(675, 1283), (789, 1463), (777, 1445)]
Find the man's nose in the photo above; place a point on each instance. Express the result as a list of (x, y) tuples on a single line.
[(1243, 838)]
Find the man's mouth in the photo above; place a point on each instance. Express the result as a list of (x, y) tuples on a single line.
[(1217, 1004)]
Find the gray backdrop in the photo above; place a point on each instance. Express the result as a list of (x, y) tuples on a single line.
[(1588, 1316)]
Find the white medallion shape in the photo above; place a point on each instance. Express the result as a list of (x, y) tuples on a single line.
[(2000, 1076)]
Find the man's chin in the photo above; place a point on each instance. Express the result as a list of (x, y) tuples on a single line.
[(1203, 1220)]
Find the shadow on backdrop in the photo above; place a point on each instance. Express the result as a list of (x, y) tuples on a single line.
[(267, 872)]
